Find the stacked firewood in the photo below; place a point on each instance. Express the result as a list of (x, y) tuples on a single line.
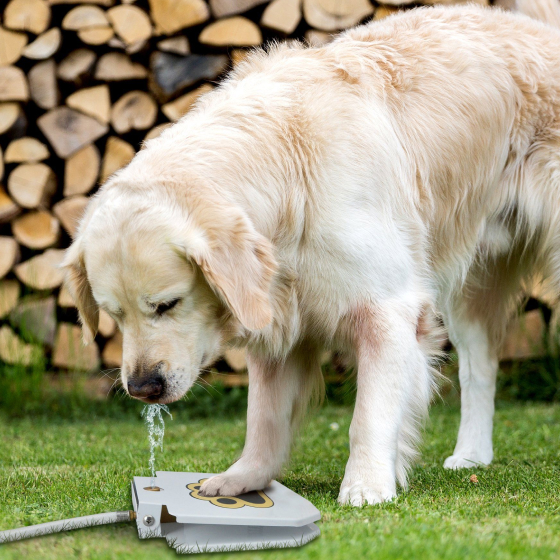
[(82, 84)]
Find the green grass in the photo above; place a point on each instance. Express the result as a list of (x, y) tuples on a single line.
[(52, 469)]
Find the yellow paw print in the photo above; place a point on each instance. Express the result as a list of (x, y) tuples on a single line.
[(255, 498)]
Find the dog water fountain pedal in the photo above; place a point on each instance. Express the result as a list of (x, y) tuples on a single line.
[(174, 509), (169, 505)]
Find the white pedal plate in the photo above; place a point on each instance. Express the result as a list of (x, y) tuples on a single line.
[(274, 518)]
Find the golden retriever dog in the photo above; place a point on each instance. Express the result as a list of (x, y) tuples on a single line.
[(339, 198)]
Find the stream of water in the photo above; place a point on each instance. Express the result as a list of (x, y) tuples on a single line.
[(155, 423)]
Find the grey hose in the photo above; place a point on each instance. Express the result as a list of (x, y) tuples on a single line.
[(65, 525)]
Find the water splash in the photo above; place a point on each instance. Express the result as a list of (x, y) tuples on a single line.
[(156, 430)]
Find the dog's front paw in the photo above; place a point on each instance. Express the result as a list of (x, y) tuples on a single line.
[(361, 493), (467, 460), (224, 485), (238, 479)]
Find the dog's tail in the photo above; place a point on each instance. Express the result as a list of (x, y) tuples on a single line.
[(547, 11)]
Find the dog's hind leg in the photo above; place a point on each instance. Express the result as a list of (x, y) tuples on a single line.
[(478, 366), (279, 392), (477, 318), (476, 321)]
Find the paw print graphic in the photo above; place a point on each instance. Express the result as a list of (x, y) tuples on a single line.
[(256, 499)]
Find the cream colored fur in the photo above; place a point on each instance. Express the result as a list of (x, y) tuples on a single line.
[(340, 197)]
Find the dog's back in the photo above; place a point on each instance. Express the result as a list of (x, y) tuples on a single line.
[(476, 97)]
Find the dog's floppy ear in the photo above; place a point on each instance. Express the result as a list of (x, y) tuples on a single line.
[(236, 260), (77, 283)]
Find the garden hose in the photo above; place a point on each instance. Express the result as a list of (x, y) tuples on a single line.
[(66, 525)]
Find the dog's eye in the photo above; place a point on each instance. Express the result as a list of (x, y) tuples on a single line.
[(166, 306)]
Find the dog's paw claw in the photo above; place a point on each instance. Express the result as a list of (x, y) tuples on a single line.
[(361, 494)]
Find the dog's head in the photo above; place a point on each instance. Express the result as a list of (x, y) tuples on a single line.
[(180, 273)]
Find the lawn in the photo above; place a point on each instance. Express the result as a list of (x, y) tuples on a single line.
[(52, 469)]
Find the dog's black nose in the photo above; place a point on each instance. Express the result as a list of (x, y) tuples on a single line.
[(146, 388)]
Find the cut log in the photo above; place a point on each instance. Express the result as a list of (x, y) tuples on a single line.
[(235, 32), (96, 35), (174, 110), (94, 101), (91, 23), (317, 38), (13, 350), (27, 15), (10, 114), (177, 45), (117, 66), (107, 325), (172, 15), (332, 15), (525, 338), (81, 171), (116, 43), (76, 65), (9, 254), (42, 272), (238, 55), (130, 23), (32, 184), (117, 154), (85, 17), (452, 2), (113, 352), (35, 318), (42, 84), (236, 359), (106, 3), (221, 8), (70, 352), (68, 130), (384, 11), (282, 15), (172, 73), (447, 2), (13, 85), (69, 211), (36, 230), (8, 208), (134, 110), (44, 46), (156, 131), (26, 150), (64, 298), (137, 46), (9, 296), (509, 5), (13, 44)]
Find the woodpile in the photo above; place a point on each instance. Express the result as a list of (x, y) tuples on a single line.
[(82, 85)]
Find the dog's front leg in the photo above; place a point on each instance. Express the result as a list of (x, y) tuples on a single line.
[(394, 386), (278, 393)]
